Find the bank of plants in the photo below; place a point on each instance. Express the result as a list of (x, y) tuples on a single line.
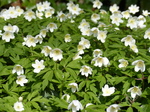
[(88, 60)]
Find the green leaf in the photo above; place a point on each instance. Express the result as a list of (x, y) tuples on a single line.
[(71, 72), (48, 75), (32, 95), (93, 88), (149, 79), (129, 109), (2, 49), (35, 105), (137, 105), (74, 64), (119, 79), (94, 96), (5, 86), (37, 99), (5, 71), (103, 81), (126, 87), (60, 103), (145, 108), (44, 84), (81, 85), (42, 72), (58, 74)]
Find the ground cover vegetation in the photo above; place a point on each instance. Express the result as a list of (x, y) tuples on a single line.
[(87, 60)]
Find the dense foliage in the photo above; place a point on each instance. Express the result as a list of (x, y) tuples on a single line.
[(78, 60)]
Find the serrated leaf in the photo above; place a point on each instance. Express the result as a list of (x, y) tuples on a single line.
[(44, 83), (126, 87), (71, 72), (93, 88), (119, 79), (5, 71), (74, 64), (38, 98), (35, 105), (32, 95), (81, 85), (48, 75)]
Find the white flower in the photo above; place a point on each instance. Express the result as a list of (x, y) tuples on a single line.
[(12, 13), (123, 63), (133, 9), (101, 24), (134, 48), (75, 10), (46, 50), (134, 91), (49, 12), (56, 54), (97, 53), (29, 15), (30, 41), (85, 42), (116, 18), (102, 36), (95, 17), (97, 4), (126, 14), (18, 69), (132, 22), (11, 28), (75, 105), (46, 5), (7, 36), (147, 34), (61, 16), (18, 106), (66, 97), (80, 49), (21, 79), (77, 56), (83, 24), (141, 21), (100, 61), (4, 14), (43, 32), (139, 65), (74, 87), (145, 12), (86, 32), (113, 108), (38, 66), (19, 10), (40, 7), (39, 38), (51, 27), (102, 11), (128, 40), (95, 31), (39, 14), (88, 104), (86, 70), (0, 32), (114, 8), (107, 91), (20, 99), (67, 38)]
